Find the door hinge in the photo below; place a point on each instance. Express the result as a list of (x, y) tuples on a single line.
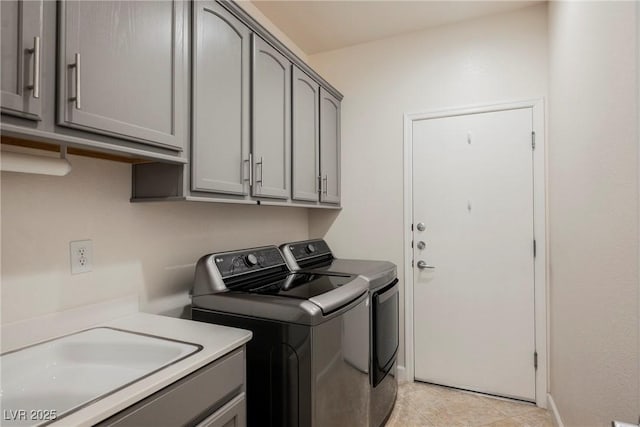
[(533, 140), (411, 227), (534, 248), (535, 360)]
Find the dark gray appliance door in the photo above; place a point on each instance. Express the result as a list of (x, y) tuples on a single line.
[(340, 378), (385, 330), (279, 357)]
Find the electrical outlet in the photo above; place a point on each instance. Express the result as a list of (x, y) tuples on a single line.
[(81, 253)]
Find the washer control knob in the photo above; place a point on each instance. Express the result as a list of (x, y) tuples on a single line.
[(310, 248), (250, 260)]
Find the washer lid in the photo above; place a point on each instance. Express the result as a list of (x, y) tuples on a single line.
[(298, 285), (378, 273), (314, 311), (327, 291)]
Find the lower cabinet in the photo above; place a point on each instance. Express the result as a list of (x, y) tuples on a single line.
[(233, 414), (213, 396)]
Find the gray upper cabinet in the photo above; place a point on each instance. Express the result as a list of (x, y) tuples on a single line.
[(305, 147), (21, 57), (271, 133), (122, 69), (220, 99), (329, 147)]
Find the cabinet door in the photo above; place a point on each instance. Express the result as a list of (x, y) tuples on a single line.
[(122, 69), (329, 147), (220, 96), (21, 55), (192, 398), (271, 134), (305, 138), (233, 414)]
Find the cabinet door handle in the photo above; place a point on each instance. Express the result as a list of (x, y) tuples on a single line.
[(250, 162), (319, 184), (76, 98), (326, 184), (35, 87), (261, 163)]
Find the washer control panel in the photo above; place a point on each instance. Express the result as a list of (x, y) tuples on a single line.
[(249, 260), (308, 249)]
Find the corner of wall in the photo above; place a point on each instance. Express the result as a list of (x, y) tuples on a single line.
[(320, 221), (253, 10), (555, 415)]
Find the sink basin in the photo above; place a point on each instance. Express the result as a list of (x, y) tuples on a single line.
[(51, 379)]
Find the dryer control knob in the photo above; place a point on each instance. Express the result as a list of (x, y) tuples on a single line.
[(250, 260), (310, 248)]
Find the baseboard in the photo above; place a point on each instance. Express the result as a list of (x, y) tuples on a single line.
[(402, 374), (557, 421)]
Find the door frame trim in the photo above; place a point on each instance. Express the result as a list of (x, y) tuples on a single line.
[(540, 220)]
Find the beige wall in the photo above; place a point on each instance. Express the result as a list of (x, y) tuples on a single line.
[(593, 212), (144, 248), (149, 249), (488, 60)]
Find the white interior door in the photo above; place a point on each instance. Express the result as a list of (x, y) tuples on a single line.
[(474, 324)]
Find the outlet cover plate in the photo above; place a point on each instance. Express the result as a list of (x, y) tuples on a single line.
[(81, 254)]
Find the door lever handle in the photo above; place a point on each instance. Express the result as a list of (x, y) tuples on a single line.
[(423, 265)]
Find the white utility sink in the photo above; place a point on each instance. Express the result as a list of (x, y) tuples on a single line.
[(67, 373)]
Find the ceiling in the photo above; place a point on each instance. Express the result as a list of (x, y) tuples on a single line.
[(321, 25)]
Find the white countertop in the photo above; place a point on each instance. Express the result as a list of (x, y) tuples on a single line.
[(216, 341)]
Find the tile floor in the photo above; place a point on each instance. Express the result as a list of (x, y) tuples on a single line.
[(420, 404)]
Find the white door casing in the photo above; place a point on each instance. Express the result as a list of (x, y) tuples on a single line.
[(473, 176)]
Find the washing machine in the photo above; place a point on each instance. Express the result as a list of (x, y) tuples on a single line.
[(315, 256)]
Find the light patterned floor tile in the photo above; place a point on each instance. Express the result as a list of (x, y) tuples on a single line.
[(420, 404), (512, 409)]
